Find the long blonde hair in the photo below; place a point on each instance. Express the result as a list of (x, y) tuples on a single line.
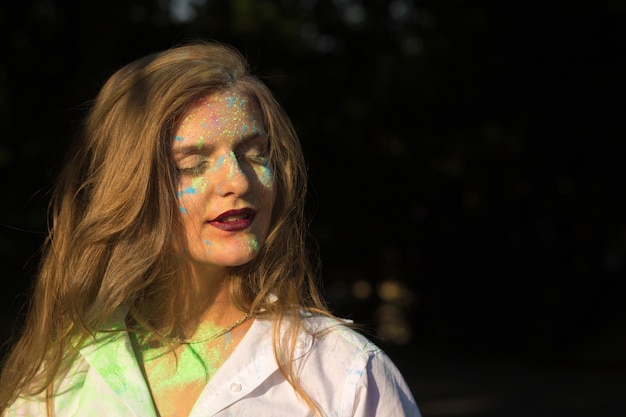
[(114, 209)]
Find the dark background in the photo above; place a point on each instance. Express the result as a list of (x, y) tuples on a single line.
[(466, 164)]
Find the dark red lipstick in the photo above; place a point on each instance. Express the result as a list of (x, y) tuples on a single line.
[(234, 220)]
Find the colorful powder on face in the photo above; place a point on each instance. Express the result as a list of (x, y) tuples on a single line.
[(199, 184), (232, 159), (234, 166), (253, 245), (265, 175), (188, 190)]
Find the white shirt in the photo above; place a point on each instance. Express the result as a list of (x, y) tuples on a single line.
[(345, 373)]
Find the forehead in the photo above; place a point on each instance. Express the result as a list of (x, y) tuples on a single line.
[(221, 113)]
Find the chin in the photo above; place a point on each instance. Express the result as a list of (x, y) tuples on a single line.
[(227, 262)]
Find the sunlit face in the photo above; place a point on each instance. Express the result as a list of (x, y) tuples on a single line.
[(226, 190)]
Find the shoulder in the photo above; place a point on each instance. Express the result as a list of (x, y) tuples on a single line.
[(353, 370), (339, 349), (337, 334)]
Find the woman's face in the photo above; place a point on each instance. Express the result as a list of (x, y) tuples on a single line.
[(226, 190)]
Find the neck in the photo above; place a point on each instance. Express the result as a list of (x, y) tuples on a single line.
[(199, 294)]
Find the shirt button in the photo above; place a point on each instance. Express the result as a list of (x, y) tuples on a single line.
[(235, 387), (300, 343)]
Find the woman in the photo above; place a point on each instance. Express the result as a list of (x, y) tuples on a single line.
[(175, 279)]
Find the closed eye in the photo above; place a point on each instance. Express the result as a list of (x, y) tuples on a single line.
[(254, 150), (194, 171), (260, 159)]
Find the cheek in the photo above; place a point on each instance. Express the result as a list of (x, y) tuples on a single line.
[(265, 176), (188, 201), (190, 193), (200, 184), (270, 201)]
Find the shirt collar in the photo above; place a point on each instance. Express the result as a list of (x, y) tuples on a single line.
[(251, 363), (110, 353)]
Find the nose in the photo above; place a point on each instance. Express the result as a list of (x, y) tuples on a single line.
[(232, 178)]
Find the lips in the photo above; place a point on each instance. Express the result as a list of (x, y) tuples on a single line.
[(234, 220)]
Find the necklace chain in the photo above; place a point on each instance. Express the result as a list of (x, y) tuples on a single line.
[(181, 341)]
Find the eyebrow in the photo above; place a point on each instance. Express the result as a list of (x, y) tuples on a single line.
[(191, 149), (251, 137)]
